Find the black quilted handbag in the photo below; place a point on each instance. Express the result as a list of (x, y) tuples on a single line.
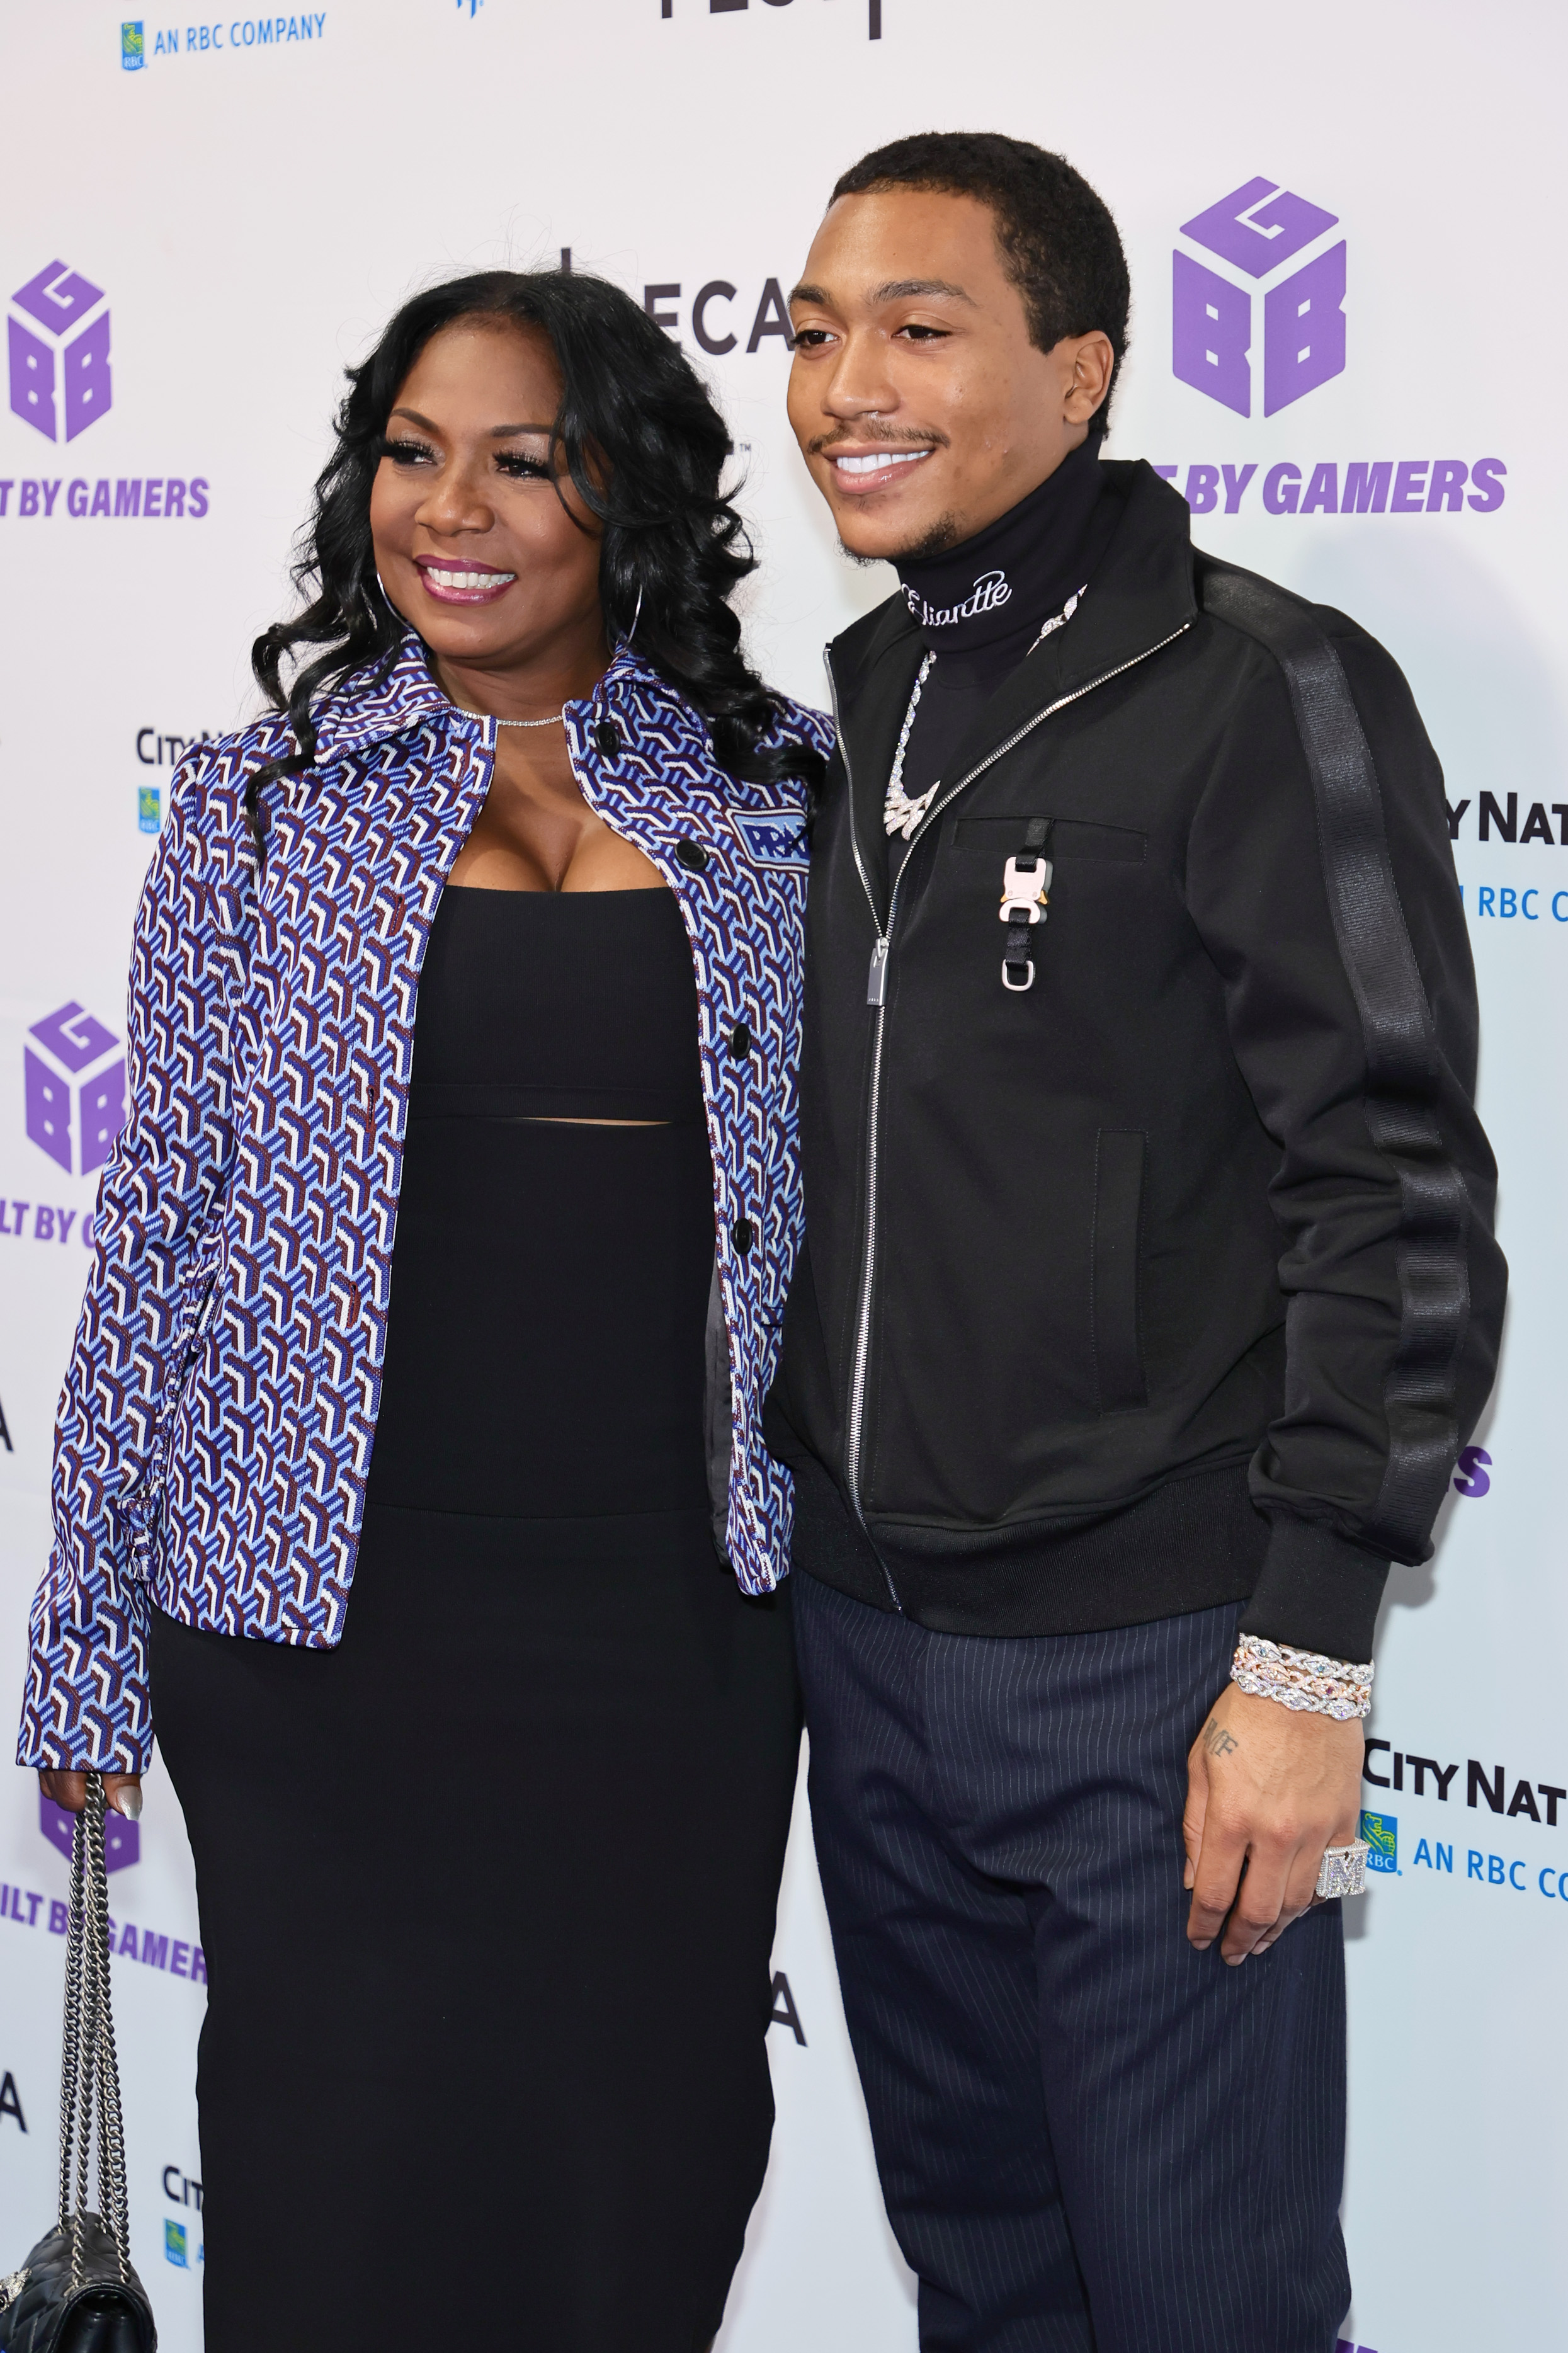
[(77, 2292)]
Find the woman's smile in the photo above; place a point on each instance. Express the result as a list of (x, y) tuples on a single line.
[(466, 581)]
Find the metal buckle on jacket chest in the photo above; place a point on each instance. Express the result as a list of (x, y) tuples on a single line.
[(1025, 888)]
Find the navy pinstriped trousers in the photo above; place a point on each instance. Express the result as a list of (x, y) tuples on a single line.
[(1090, 2138)]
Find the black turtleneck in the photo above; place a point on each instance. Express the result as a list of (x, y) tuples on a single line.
[(980, 606)]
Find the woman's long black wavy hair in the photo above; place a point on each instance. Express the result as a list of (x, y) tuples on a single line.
[(673, 551)]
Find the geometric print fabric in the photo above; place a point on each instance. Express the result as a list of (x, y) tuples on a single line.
[(216, 1427)]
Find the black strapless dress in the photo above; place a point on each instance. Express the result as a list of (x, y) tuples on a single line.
[(487, 1892)]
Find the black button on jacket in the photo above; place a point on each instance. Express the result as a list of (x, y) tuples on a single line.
[(1170, 1280)]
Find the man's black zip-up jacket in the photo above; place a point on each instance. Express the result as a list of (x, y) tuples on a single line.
[(1171, 1279)]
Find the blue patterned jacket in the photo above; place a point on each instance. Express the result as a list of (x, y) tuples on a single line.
[(215, 1427)]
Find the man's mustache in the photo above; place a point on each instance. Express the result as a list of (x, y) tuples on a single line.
[(826, 443)]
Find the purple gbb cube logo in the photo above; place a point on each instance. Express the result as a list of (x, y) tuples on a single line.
[(75, 1076), (58, 299), (121, 1840), (1256, 230)]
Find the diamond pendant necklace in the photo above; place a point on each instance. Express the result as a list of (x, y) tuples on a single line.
[(901, 814)]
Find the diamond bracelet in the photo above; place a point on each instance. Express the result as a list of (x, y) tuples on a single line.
[(1304, 1680)]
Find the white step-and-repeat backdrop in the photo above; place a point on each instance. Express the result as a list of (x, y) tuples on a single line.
[(203, 220)]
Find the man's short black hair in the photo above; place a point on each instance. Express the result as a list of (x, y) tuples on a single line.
[(1058, 241)]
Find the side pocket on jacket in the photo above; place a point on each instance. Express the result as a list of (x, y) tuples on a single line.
[(1113, 1269)]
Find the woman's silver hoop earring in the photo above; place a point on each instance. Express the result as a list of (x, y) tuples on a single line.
[(637, 617)]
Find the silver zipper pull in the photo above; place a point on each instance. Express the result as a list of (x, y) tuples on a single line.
[(877, 979)]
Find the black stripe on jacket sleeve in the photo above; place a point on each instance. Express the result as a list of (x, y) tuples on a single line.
[(1404, 1083)]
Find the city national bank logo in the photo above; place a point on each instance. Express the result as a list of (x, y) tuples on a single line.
[(1381, 1833), (74, 1083), (181, 2247), (167, 750), (65, 381), (1259, 232)]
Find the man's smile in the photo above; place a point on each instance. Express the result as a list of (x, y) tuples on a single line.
[(857, 471)]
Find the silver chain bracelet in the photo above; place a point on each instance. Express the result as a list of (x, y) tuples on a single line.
[(1304, 1680)]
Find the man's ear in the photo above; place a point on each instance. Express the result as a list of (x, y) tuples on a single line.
[(1089, 364)]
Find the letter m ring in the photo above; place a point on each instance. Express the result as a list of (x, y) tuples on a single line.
[(1342, 1871)]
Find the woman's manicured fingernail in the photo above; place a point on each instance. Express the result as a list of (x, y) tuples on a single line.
[(129, 1803)]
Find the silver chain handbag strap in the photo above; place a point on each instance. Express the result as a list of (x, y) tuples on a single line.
[(89, 2071)]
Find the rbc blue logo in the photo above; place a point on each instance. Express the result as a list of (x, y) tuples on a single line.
[(177, 2246), (774, 838), (1381, 1833), (132, 47)]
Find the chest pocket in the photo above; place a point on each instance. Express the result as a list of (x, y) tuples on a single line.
[(774, 838), (997, 837)]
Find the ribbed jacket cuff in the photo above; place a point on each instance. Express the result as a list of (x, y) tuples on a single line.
[(1316, 1592)]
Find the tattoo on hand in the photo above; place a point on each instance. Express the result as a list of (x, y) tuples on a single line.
[(1217, 1739)]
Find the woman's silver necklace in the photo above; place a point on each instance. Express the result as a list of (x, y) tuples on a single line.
[(901, 814), (553, 720)]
